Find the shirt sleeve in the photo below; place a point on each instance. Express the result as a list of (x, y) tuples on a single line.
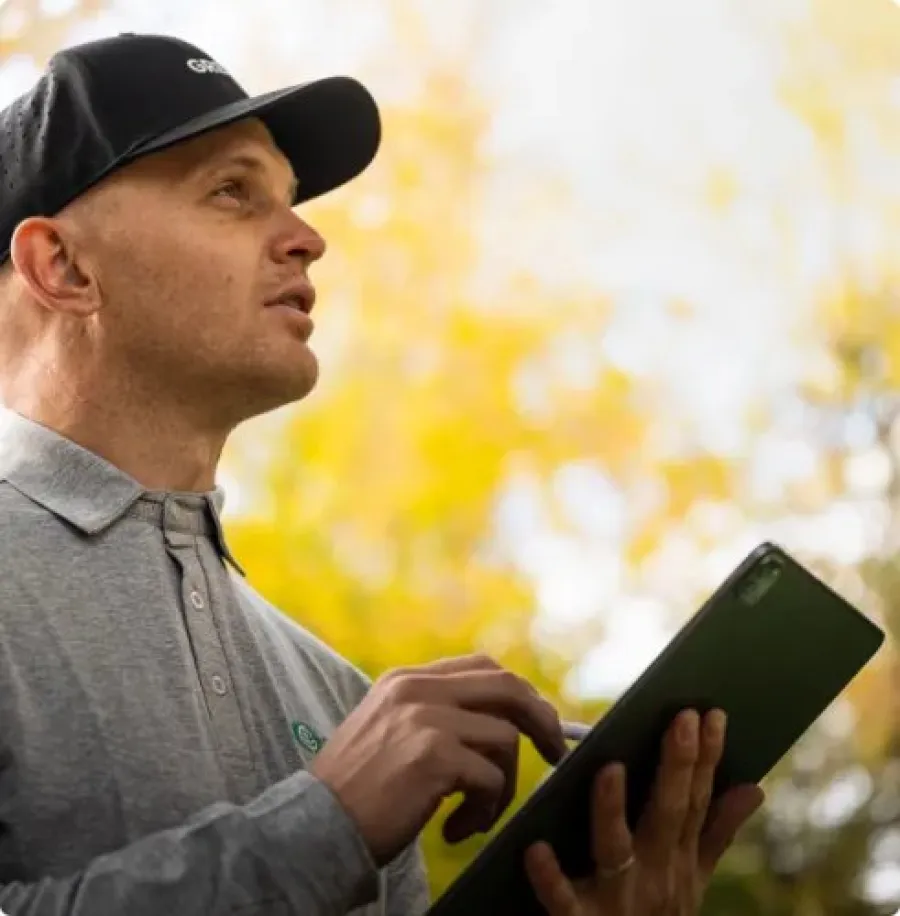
[(291, 850), (407, 892)]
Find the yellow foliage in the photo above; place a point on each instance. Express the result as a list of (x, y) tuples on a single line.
[(705, 476)]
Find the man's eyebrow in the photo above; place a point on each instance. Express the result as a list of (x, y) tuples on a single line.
[(252, 163)]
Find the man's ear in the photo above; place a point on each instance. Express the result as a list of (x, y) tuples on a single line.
[(46, 256)]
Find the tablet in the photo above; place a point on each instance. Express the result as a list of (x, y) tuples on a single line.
[(773, 647)]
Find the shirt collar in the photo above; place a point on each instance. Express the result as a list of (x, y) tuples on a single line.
[(73, 483)]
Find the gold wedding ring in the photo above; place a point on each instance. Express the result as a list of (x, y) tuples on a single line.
[(615, 871)]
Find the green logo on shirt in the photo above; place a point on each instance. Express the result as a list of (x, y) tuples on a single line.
[(307, 737)]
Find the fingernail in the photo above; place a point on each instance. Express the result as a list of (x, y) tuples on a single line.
[(716, 721), (687, 728), (611, 779)]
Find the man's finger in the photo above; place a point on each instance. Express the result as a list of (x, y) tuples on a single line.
[(493, 738), (483, 784), (478, 684), (728, 815), (502, 693), (661, 824), (712, 743), (611, 842), (552, 888)]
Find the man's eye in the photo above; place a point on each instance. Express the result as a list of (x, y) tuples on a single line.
[(234, 189)]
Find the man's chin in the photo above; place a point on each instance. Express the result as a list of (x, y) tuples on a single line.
[(263, 394), (307, 375), (296, 386)]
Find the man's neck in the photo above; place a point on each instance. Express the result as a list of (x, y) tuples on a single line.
[(159, 450)]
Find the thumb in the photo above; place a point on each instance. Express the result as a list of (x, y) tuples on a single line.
[(728, 815)]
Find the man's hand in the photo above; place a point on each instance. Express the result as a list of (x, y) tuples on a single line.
[(663, 869), (423, 734)]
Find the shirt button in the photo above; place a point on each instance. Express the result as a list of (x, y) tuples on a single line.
[(218, 684), (197, 600)]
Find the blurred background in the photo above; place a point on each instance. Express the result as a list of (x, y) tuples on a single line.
[(619, 299)]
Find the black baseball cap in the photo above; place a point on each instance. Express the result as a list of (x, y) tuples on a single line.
[(105, 103)]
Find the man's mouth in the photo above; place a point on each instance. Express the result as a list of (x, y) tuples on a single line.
[(299, 298), (295, 303)]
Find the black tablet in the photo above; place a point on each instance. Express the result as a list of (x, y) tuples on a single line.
[(773, 647)]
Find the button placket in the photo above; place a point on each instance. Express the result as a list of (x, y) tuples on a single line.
[(200, 597), (210, 657)]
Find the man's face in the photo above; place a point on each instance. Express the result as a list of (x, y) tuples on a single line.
[(190, 247)]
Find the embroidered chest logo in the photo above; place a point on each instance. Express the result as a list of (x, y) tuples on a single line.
[(307, 737)]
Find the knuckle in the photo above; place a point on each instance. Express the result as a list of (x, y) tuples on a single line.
[(418, 717), (426, 748), (483, 660), (512, 683), (392, 675), (702, 788), (699, 802), (683, 754), (403, 688), (677, 811), (673, 805)]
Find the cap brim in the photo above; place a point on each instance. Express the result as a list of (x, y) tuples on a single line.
[(329, 130)]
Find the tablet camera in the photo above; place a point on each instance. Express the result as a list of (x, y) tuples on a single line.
[(760, 580)]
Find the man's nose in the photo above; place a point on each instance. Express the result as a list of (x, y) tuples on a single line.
[(301, 242)]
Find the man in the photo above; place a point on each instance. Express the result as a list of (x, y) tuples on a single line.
[(162, 728)]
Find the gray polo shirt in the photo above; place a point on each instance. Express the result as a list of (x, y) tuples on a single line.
[(157, 715)]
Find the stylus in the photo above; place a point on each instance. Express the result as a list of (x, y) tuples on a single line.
[(575, 731)]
